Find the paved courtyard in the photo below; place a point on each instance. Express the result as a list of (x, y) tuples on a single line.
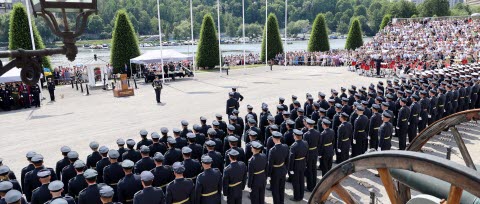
[(75, 120)]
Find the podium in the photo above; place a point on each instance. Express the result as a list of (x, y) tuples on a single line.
[(123, 90)]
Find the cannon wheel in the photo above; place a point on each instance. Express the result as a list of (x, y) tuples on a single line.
[(460, 177)]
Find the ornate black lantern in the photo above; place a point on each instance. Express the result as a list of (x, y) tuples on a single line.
[(51, 10)]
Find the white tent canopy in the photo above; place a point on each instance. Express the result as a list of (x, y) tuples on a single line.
[(12, 75), (154, 57)]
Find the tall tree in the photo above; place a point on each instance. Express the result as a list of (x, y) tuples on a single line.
[(124, 43), (319, 38), (208, 48), (386, 19), (355, 38), (19, 33), (430, 8), (272, 40)]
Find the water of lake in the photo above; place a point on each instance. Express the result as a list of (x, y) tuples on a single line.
[(85, 55)]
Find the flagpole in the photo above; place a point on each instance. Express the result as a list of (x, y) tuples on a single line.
[(243, 33), (266, 33), (191, 30), (160, 36), (219, 36), (286, 20)]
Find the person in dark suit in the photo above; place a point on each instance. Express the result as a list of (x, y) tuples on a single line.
[(385, 132), (236, 95), (146, 163), (128, 185), (192, 166), (68, 172), (312, 137), (157, 146), (374, 125), (180, 190), (157, 86), (56, 191), (51, 89), (344, 134), (402, 124), (77, 183), (63, 162), (257, 175), (149, 194), (234, 178), (327, 138), (360, 141), (208, 188), (41, 194), (113, 172), (163, 173), (90, 195), (297, 164), (31, 178), (102, 163), (232, 104), (277, 167), (173, 154)]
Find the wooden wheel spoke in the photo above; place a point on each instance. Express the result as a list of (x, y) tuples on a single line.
[(463, 149), (388, 184), (455, 194), (343, 194)]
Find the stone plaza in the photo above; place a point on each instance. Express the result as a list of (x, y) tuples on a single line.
[(75, 120)]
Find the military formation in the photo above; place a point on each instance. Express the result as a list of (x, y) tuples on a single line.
[(210, 163)]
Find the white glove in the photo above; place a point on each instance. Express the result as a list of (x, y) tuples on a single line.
[(419, 118), (368, 137), (444, 111), (379, 149), (393, 133), (429, 116), (339, 150), (408, 123), (398, 128), (354, 141), (291, 172)]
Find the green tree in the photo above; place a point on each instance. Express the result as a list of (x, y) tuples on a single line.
[(403, 9), (251, 30), (19, 33), (461, 10), (208, 49), (386, 19), (182, 30), (124, 43), (430, 8), (376, 11), (297, 27), (4, 23), (95, 24), (355, 38), (271, 39), (329, 18), (319, 37), (360, 10)]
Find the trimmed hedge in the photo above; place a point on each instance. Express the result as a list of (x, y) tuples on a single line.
[(354, 39), (319, 37), (208, 48), (124, 43), (275, 45)]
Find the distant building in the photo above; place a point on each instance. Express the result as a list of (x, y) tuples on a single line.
[(473, 2), (7, 5)]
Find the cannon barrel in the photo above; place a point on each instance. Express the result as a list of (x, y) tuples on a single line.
[(430, 185)]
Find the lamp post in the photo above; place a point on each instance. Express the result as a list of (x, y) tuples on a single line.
[(51, 10)]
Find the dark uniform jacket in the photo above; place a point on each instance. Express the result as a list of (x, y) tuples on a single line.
[(192, 169), (180, 142), (217, 160), (90, 195), (41, 195), (326, 143), (146, 142), (360, 128), (112, 174), (157, 147), (173, 155), (144, 164), (60, 164), (92, 160), (312, 137), (232, 104), (68, 173), (234, 179), (180, 190), (257, 167), (298, 156), (149, 195), (99, 167), (278, 160), (344, 135), (385, 133), (32, 182), (208, 187), (132, 155), (127, 187), (75, 185), (163, 175)]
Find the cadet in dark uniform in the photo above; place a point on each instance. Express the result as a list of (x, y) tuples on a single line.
[(121, 148), (299, 121), (277, 168), (131, 154), (234, 178), (374, 125), (28, 168), (165, 136), (157, 86), (222, 124), (402, 124), (63, 162), (192, 166), (128, 185), (163, 173), (232, 104), (360, 141), (25, 96), (94, 157), (14, 197), (326, 153), (51, 89), (56, 190), (173, 154), (144, 140), (157, 146), (424, 112), (146, 163), (432, 108), (233, 141), (218, 143), (5, 186), (312, 137), (36, 96), (415, 109), (208, 187), (149, 194), (113, 172), (236, 95), (257, 175), (106, 194), (288, 135), (31, 179), (344, 134), (185, 129), (385, 132), (90, 195), (41, 194), (4, 172), (180, 141), (281, 102), (102, 163), (297, 164), (69, 172), (200, 137), (215, 155), (77, 183), (180, 190), (197, 149)]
